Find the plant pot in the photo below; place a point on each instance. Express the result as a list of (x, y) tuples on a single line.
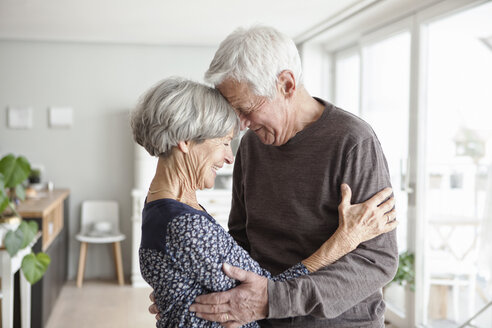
[(8, 222), (10, 219)]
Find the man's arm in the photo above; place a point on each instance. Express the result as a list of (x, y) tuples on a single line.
[(340, 286), (249, 301)]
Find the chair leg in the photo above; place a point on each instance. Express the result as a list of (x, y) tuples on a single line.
[(118, 262), (82, 256)]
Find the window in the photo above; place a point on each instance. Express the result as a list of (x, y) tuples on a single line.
[(424, 83), (458, 167), (347, 81)]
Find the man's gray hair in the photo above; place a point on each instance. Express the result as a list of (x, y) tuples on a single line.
[(256, 55), (177, 110)]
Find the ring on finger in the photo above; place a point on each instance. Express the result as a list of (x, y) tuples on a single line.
[(388, 216), (226, 316)]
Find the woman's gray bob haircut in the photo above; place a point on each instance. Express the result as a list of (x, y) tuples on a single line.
[(177, 110), (256, 55)]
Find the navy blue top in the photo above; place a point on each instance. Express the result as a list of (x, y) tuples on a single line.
[(181, 255)]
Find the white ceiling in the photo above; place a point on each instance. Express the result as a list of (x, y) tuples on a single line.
[(191, 22)]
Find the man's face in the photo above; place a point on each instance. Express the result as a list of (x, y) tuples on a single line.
[(267, 118)]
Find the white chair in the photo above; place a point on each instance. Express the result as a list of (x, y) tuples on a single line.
[(99, 224)]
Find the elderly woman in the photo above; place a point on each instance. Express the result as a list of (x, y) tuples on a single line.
[(190, 126)]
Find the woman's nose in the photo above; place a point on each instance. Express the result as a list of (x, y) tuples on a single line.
[(229, 157)]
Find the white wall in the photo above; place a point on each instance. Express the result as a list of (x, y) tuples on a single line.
[(94, 158)]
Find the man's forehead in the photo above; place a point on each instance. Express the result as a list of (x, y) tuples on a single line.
[(236, 93), (232, 86)]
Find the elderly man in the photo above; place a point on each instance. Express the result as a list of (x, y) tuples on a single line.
[(288, 170)]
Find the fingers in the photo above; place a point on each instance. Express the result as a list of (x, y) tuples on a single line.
[(346, 194), (390, 226), (388, 205), (217, 317), (390, 216), (213, 298), (231, 324), (210, 308), (387, 221), (380, 197), (153, 309), (236, 273)]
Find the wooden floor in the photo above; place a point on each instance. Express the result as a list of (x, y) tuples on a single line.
[(101, 304), (105, 304)]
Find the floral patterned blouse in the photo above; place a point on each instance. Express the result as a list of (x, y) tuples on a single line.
[(181, 256)]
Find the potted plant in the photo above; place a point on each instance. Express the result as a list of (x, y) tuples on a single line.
[(405, 275), (13, 173), (35, 176)]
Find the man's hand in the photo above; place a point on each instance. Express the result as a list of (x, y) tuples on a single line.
[(238, 306), (153, 309)]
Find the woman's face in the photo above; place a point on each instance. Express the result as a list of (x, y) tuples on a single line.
[(210, 156)]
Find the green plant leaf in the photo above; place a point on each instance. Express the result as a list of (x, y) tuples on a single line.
[(28, 232), (20, 192), (13, 241), (4, 200), (405, 275), (14, 169), (34, 266), (33, 225), (2, 183)]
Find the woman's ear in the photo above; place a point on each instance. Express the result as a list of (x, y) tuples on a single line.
[(184, 146)]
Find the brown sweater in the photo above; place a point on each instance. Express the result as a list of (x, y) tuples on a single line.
[(285, 205)]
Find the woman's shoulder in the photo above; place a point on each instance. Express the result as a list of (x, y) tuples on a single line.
[(198, 237), (193, 223), (164, 216)]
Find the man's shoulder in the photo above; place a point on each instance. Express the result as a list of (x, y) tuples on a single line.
[(249, 141), (335, 127), (346, 124)]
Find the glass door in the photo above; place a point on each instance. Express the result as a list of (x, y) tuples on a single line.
[(458, 169)]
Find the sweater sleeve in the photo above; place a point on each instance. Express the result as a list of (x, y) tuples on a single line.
[(342, 285), (199, 246)]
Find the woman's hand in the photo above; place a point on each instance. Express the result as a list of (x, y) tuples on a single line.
[(361, 222), (357, 223), (153, 309)]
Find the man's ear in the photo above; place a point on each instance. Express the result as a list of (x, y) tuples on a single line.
[(286, 83), (184, 146)]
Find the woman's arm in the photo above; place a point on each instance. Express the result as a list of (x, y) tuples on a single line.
[(199, 247), (357, 223)]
